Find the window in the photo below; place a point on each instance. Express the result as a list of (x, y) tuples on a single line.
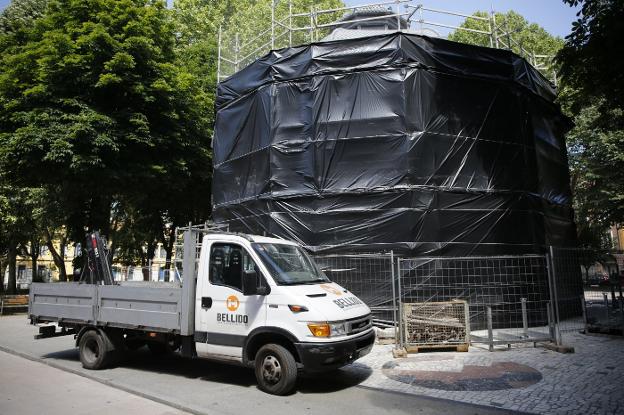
[(289, 264), (227, 264)]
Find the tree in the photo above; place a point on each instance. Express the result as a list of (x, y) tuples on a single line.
[(591, 59), (19, 16), (592, 92), (514, 32), (95, 110), (14, 225)]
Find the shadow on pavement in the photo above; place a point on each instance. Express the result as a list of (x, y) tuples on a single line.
[(219, 372)]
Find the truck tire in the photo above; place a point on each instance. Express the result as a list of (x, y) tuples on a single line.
[(276, 369), (94, 353)]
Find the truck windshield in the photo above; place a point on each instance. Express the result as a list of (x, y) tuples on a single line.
[(289, 264)]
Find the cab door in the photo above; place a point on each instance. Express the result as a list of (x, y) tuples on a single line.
[(226, 316)]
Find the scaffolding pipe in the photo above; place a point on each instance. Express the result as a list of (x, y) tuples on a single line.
[(219, 56), (272, 24), (398, 15)]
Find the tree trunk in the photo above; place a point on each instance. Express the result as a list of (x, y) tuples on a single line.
[(59, 260), (35, 248), (149, 256), (12, 285), (168, 246), (33, 262), (1, 276)]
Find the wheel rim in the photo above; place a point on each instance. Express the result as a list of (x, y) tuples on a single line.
[(271, 369), (91, 350)]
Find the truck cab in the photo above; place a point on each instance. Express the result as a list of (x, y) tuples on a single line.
[(265, 303)]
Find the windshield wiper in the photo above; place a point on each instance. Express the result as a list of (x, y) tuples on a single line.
[(307, 282)]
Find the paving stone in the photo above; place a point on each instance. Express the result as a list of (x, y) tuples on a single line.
[(576, 383)]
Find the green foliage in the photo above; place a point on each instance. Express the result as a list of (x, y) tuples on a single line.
[(95, 108), (198, 23), (591, 92), (592, 59), (513, 30), (19, 16)]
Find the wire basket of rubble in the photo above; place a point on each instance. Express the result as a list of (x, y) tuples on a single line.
[(435, 325)]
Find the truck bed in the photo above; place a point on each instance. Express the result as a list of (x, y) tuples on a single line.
[(136, 305)]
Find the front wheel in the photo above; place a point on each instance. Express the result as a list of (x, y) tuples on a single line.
[(276, 369)]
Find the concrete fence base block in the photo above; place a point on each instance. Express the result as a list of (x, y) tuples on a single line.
[(558, 348), (399, 353)]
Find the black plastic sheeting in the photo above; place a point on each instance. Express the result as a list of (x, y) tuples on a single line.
[(403, 142)]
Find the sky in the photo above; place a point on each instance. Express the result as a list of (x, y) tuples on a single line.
[(553, 15)]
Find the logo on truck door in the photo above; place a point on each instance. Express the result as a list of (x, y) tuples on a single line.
[(232, 303)]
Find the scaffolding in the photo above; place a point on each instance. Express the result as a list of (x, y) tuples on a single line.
[(287, 29)]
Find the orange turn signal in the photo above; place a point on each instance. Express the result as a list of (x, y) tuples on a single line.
[(297, 308), (319, 329)]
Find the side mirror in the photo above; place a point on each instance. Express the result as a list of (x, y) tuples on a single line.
[(263, 290), (250, 282)]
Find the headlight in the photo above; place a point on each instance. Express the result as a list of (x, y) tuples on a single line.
[(328, 329), (338, 329)]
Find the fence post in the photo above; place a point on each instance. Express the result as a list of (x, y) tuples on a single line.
[(554, 303), (525, 320), (584, 308), (550, 322), (467, 320), (394, 304), (489, 327), (400, 308), (622, 313), (605, 298)]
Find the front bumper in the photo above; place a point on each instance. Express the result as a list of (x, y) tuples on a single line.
[(321, 357)]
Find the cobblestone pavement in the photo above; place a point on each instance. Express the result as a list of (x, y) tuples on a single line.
[(588, 381)]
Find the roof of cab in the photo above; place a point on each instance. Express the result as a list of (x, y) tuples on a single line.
[(226, 236)]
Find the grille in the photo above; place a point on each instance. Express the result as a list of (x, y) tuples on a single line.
[(359, 324)]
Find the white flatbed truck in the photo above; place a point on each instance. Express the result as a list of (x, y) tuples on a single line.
[(258, 301)]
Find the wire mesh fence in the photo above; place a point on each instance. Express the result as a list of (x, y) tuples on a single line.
[(587, 291), (507, 296), (367, 276)]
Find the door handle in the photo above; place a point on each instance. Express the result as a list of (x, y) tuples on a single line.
[(206, 302)]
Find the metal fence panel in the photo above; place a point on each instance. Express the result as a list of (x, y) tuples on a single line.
[(507, 295), (367, 276), (585, 300)]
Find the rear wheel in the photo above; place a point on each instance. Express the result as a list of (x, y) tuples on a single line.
[(276, 369), (94, 353)]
